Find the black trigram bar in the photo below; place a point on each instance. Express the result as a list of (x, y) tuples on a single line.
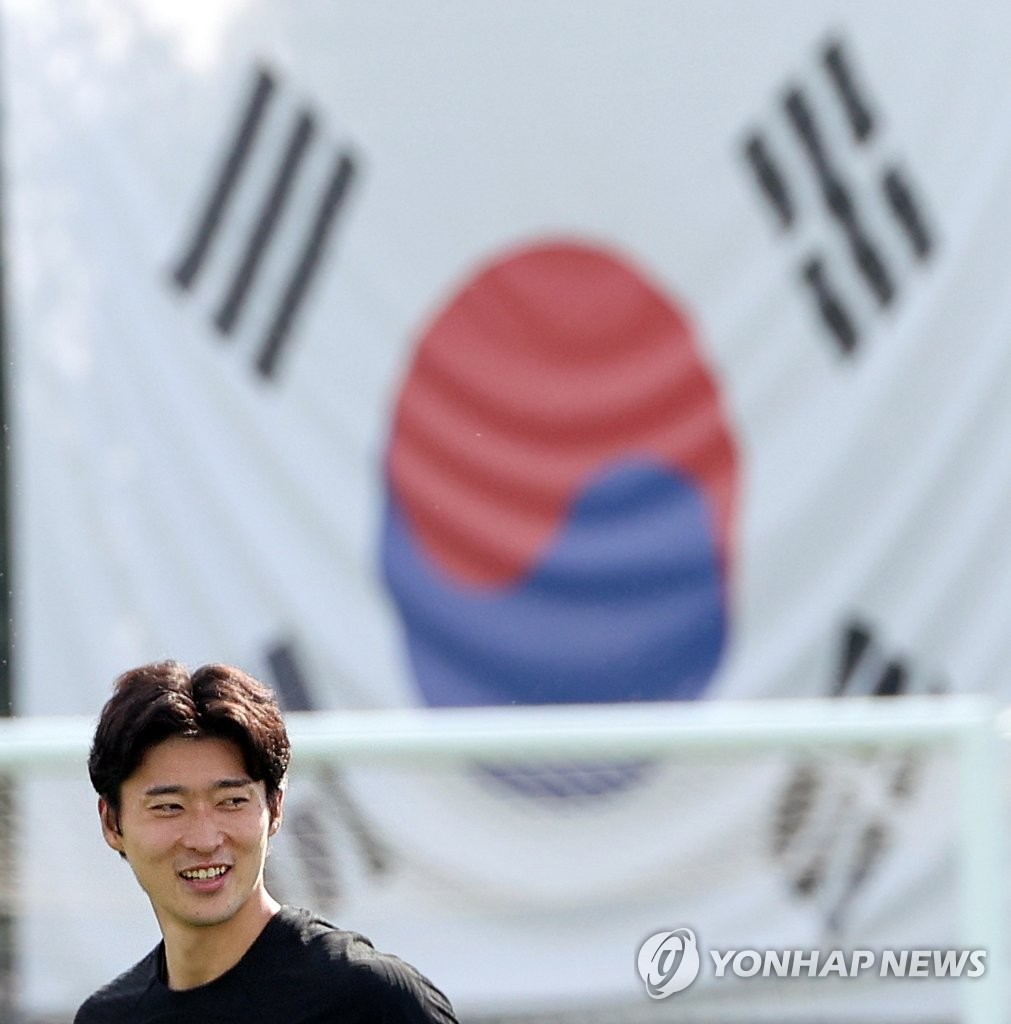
[(288, 678), (892, 681), (838, 199), (832, 311), (860, 650), (235, 160), (307, 265), (268, 218), (907, 212), (770, 179), (294, 695), (303, 824), (856, 644), (266, 222), (858, 113), (308, 828)]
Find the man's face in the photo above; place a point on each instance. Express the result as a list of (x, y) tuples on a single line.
[(194, 828)]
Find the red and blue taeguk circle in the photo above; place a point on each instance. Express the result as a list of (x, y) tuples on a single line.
[(561, 490)]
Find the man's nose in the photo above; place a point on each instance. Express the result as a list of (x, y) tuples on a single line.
[(202, 831)]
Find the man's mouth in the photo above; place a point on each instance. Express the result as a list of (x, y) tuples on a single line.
[(204, 874)]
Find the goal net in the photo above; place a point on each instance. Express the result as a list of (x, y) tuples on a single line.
[(835, 861)]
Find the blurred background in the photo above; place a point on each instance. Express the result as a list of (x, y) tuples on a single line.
[(530, 353)]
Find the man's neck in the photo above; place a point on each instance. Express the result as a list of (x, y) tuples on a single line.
[(196, 955)]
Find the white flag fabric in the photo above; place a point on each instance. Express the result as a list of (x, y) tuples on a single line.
[(476, 354)]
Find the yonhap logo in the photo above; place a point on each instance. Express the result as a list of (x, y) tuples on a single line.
[(668, 962)]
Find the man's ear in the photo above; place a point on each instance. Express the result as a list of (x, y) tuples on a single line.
[(275, 806), (110, 825)]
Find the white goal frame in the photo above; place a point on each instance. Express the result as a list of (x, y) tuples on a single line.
[(967, 726)]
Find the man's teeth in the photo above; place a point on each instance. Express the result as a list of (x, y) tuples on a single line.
[(202, 874)]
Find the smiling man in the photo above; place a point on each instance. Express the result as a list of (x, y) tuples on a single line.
[(190, 770)]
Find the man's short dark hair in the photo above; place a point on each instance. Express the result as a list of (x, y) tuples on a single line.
[(164, 699)]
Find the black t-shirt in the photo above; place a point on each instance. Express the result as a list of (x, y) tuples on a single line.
[(300, 970)]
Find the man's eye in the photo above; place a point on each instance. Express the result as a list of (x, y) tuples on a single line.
[(236, 801), (166, 808)]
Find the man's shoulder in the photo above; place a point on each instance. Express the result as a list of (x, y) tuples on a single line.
[(327, 943), (111, 1001), (338, 952), (351, 970)]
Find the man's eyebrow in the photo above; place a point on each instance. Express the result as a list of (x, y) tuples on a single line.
[(163, 790), (238, 783), (175, 788)]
